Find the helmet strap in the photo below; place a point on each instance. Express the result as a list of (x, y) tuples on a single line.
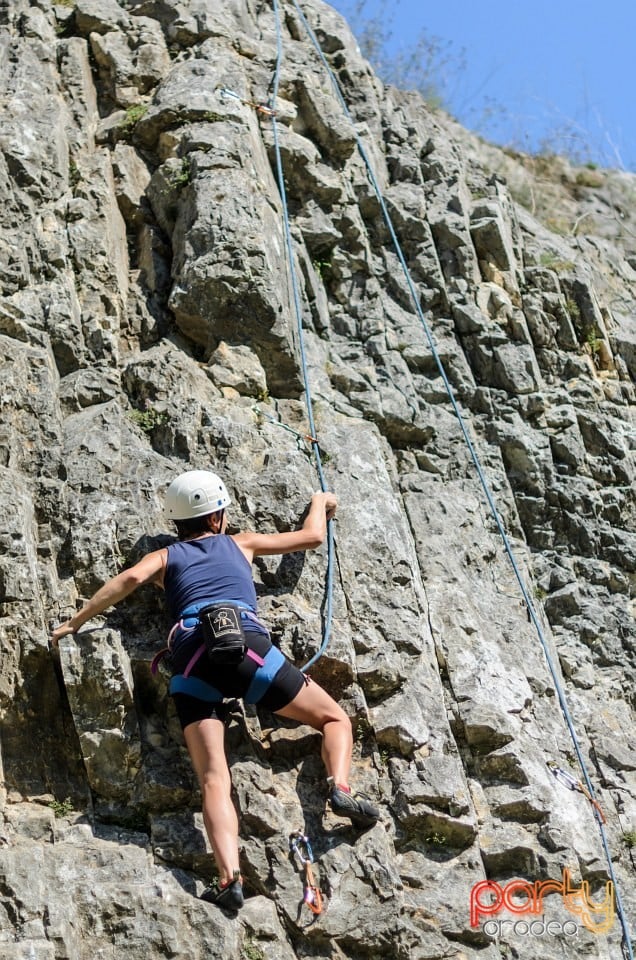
[(220, 514)]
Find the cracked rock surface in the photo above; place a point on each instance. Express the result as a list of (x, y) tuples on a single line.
[(147, 326)]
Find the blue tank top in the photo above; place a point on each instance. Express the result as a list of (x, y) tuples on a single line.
[(210, 570)]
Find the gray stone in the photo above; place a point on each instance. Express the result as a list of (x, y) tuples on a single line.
[(94, 17), (98, 680), (147, 326), (237, 367), (132, 178)]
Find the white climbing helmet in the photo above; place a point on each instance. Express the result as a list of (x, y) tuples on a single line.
[(195, 493)]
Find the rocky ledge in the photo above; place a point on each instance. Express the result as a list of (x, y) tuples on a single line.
[(146, 325)]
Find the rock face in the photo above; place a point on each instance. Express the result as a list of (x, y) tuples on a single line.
[(146, 326)]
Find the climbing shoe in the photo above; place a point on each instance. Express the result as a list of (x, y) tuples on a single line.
[(228, 896), (357, 808)]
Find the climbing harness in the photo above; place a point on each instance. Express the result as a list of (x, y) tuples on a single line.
[(267, 666), (460, 419), (311, 892), (224, 93), (573, 784)]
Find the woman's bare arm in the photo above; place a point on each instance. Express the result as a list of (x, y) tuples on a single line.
[(149, 569), (311, 534)]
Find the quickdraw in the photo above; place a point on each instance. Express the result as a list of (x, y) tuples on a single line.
[(311, 893), (305, 437), (573, 784), (259, 107)]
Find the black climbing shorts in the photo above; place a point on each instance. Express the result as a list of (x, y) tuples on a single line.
[(235, 681)]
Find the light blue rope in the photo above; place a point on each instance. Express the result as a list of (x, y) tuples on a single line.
[(484, 483), (299, 320)]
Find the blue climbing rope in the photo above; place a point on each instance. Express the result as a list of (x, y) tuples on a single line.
[(301, 339), (480, 472)]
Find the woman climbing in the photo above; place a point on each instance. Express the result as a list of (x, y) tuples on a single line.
[(219, 650)]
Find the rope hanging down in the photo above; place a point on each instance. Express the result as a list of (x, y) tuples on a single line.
[(480, 473), (299, 321)]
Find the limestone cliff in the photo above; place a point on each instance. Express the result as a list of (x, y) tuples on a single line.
[(146, 326)]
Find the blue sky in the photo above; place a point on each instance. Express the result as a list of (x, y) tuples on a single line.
[(552, 72)]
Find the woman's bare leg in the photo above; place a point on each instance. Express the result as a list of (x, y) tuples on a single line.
[(313, 706), (205, 742)]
